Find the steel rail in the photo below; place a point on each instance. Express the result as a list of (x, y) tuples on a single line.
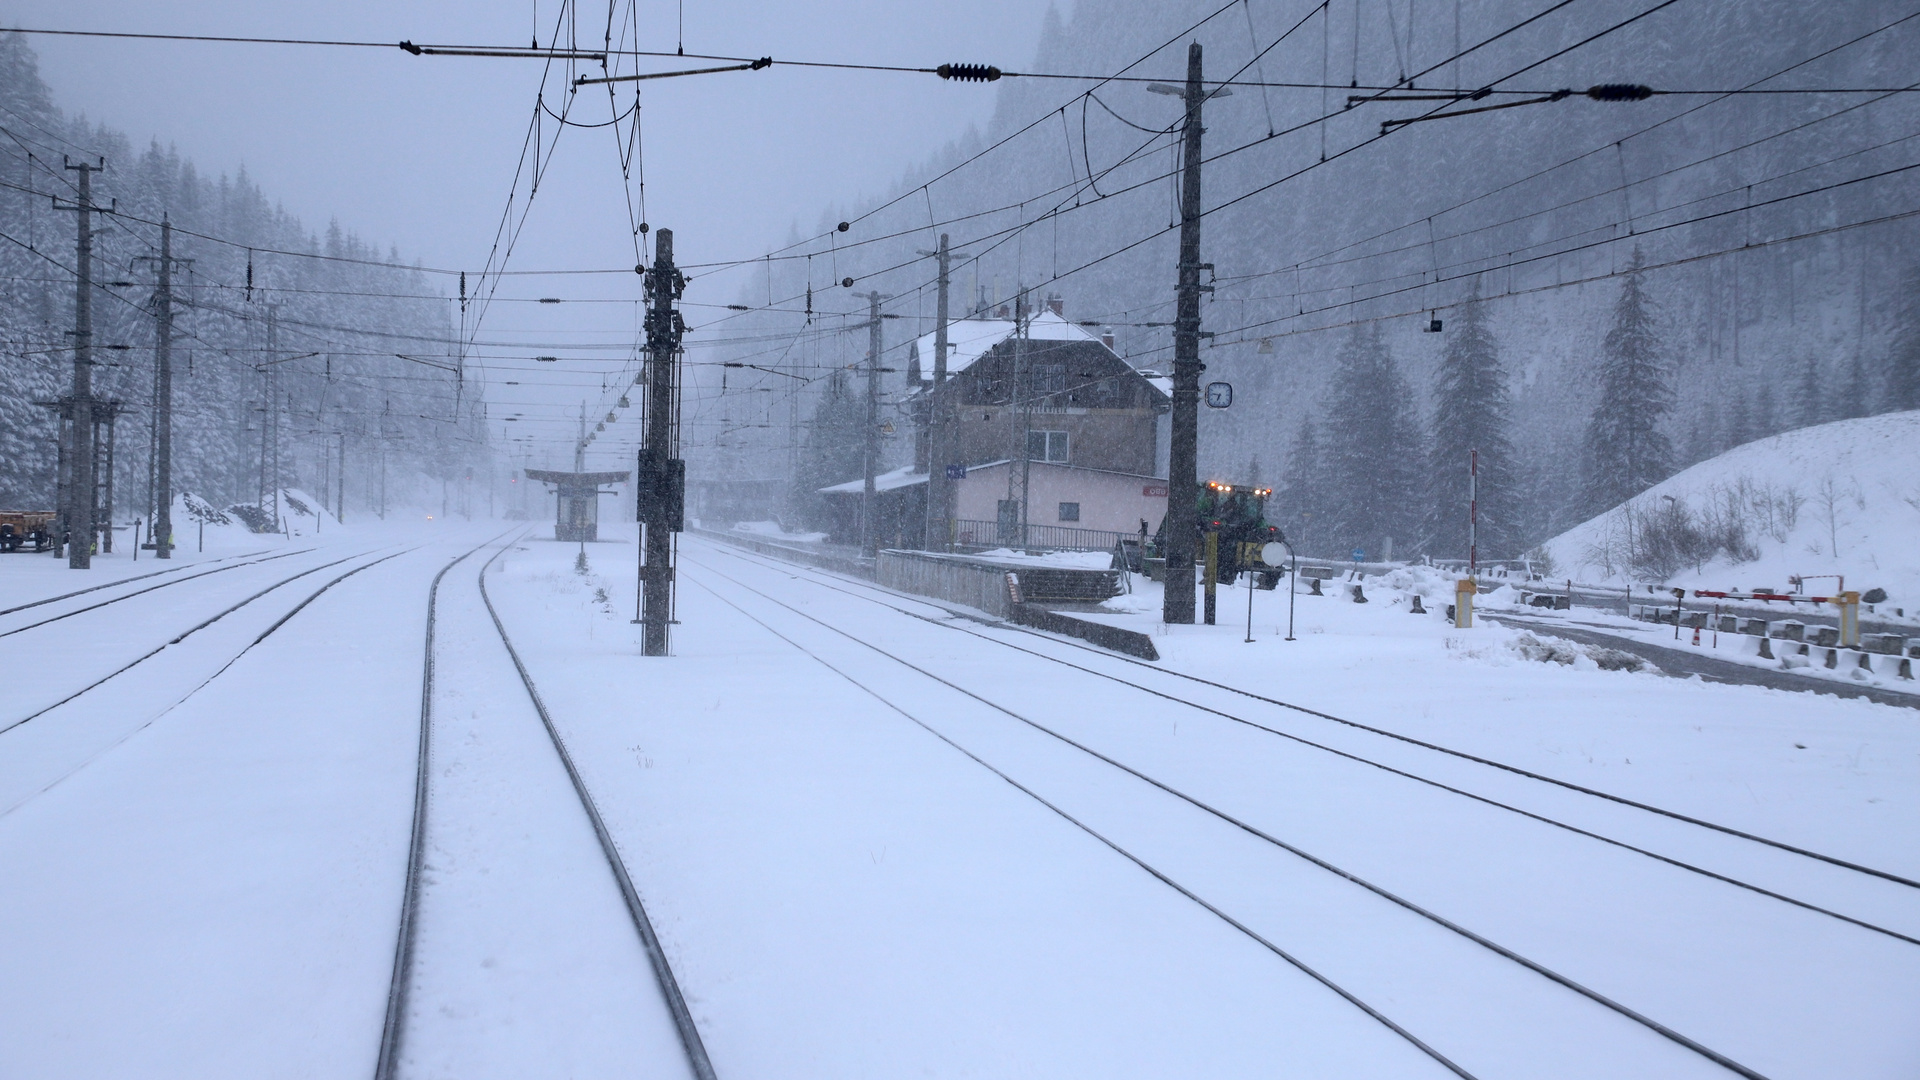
[(663, 971), (262, 636), (136, 592), (138, 577), (393, 1025), (1534, 966), (1161, 876), (184, 635), (1569, 785)]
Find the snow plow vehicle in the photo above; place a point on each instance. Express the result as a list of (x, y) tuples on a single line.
[(1237, 514), (19, 528)]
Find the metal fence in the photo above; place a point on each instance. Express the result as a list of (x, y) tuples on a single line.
[(989, 534)]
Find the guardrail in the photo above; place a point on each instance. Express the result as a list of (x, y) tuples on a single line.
[(991, 534)]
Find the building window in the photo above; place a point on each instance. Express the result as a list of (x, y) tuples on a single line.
[(1069, 511), (1047, 446), (1049, 378)]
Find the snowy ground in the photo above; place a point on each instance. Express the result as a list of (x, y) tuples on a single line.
[(879, 840)]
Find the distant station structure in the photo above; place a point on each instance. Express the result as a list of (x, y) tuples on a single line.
[(576, 514)]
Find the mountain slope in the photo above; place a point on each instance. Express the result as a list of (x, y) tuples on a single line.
[(1838, 498)]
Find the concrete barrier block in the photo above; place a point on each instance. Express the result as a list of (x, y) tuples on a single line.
[(1824, 636), (1883, 644), (1728, 624), (1755, 627), (1788, 630)]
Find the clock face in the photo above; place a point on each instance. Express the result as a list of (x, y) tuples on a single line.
[(1219, 395)]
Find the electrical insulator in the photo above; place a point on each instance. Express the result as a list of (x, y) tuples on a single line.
[(968, 72)]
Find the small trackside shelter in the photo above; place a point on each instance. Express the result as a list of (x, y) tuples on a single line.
[(577, 509)]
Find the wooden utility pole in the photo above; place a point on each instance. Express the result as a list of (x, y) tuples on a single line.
[(1183, 451), (78, 506), (660, 483), (869, 528)]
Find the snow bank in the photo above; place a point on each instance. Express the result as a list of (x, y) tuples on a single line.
[(1839, 498), (1073, 560), (773, 529)]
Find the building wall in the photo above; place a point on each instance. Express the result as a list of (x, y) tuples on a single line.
[(1109, 412), (1111, 439), (1115, 502)]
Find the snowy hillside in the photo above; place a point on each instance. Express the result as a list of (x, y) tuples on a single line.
[(1839, 498)]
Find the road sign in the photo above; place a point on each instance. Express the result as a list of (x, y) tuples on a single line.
[(1273, 554), (1359, 555), (886, 427), (1219, 395), (956, 472)]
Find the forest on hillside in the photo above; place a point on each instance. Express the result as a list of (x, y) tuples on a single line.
[(290, 345), (1622, 287)]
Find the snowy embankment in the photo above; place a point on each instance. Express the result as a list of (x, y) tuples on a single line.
[(1835, 499), (773, 531)]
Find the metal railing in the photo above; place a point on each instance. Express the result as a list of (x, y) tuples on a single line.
[(966, 533)]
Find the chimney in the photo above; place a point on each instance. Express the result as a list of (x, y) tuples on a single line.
[(1106, 337), (1057, 304)]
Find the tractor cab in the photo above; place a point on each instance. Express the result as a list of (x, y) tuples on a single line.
[(1236, 513)]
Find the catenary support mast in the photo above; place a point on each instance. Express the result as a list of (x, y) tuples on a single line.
[(1184, 449), (660, 483), (939, 488), (77, 510), (870, 528)]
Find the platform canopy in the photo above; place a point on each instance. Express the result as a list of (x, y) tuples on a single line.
[(577, 510)]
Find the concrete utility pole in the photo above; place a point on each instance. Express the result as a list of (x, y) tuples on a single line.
[(340, 485), (77, 513), (869, 528), (660, 484), (939, 489), (163, 393), (1020, 408), (1183, 482)]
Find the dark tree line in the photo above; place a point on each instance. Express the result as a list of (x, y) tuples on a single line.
[(256, 292)]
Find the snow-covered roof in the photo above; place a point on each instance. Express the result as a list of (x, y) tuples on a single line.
[(970, 339), (886, 481)]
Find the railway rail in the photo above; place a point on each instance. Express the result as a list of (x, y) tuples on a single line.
[(137, 592), (394, 1024), (889, 600), (184, 635), (1504, 952), (946, 619)]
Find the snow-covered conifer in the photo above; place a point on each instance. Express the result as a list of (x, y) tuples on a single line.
[(1626, 451)]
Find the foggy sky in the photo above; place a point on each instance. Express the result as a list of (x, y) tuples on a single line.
[(418, 152)]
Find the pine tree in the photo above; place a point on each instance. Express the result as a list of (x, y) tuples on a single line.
[(1625, 450), (1473, 412), (1809, 405), (1852, 395), (1739, 428), (1903, 363), (1299, 505), (836, 447), (1373, 444)]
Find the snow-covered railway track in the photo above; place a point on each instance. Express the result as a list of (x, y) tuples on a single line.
[(1896, 900), (173, 569), (32, 770), (1481, 924), (118, 668), (233, 562), (478, 884)]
